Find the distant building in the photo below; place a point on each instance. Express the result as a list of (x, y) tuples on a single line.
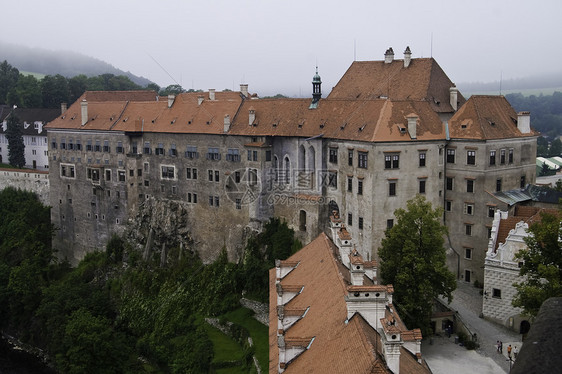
[(225, 162), (501, 268), (32, 122), (328, 314)]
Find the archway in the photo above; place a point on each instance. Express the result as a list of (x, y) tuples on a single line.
[(524, 327)]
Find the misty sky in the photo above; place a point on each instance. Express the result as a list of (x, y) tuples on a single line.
[(274, 46)]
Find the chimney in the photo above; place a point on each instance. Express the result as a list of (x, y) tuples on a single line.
[(412, 125), (63, 108), (226, 123), (211, 94), (524, 122), (356, 268), (369, 301), (407, 57), (252, 116), (84, 108), (244, 89), (453, 94), (171, 99), (388, 56), (199, 99)]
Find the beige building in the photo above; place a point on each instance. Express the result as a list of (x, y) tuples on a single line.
[(225, 162)]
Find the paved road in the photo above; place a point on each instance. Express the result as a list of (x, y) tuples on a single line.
[(446, 357)]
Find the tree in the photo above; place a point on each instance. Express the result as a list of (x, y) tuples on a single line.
[(542, 265), (26, 94), (16, 148), (9, 76), (413, 259), (54, 90)]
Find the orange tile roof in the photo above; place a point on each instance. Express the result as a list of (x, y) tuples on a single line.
[(422, 80), (525, 213), (339, 346), (363, 120), (486, 117)]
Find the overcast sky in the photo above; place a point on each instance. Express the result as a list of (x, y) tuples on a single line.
[(274, 46)]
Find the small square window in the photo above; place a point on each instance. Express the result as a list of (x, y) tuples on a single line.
[(491, 211), (448, 205), (470, 185), (389, 223), (392, 188), (468, 229), (497, 293), (468, 253), (422, 186)]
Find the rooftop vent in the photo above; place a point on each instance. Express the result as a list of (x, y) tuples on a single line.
[(388, 56)]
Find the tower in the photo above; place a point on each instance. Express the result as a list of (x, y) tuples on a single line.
[(316, 90)]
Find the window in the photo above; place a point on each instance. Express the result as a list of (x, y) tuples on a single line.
[(106, 146), (70, 143), (173, 152), (191, 173), (389, 224), (502, 156), (146, 183), (422, 159), (78, 145), (131, 172), (359, 187), (468, 209), (362, 160), (237, 176), (252, 155), (468, 253), (267, 155), (391, 161), (108, 175), (498, 185), (523, 182), (145, 166), (333, 179), (489, 232), (470, 185), (146, 149), (450, 183), (121, 174), (134, 148), (191, 152), (213, 154), (233, 155), (349, 184), (448, 205), (492, 157), (93, 175), (210, 172), (238, 204), (211, 200), (88, 145), (139, 172), (450, 156), (350, 157), (119, 148), (168, 172), (333, 156), (491, 211), (54, 143), (471, 157), (349, 219), (392, 188), (421, 186), (97, 146), (159, 150), (497, 293), (63, 143), (217, 175), (360, 223), (468, 229), (510, 156)]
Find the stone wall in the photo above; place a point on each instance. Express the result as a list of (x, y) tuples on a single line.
[(28, 180)]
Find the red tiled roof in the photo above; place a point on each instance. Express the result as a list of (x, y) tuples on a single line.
[(486, 117), (422, 80)]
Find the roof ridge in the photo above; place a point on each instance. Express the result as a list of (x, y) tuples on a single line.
[(377, 123)]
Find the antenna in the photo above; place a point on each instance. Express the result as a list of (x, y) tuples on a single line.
[(165, 71), (431, 49), (501, 78), (354, 51)]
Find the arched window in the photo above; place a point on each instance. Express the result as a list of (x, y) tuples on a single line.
[(287, 170), (302, 158), (276, 168)]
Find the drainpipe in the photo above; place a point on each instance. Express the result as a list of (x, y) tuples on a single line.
[(447, 140)]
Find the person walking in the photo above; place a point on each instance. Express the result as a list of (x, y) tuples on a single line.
[(498, 346), (515, 353), (509, 351), (501, 347)]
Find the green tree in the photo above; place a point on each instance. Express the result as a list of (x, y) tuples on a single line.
[(542, 265), (77, 86), (16, 148), (9, 76), (413, 260), (54, 91), (555, 148), (27, 93)]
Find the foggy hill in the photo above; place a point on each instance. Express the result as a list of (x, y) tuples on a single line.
[(65, 63), (538, 82)]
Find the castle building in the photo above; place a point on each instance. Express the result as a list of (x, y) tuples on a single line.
[(213, 166)]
